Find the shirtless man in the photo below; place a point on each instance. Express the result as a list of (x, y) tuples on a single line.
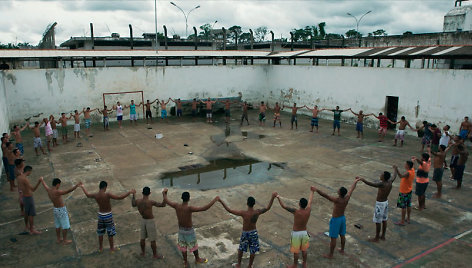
[(360, 122), (277, 109), (4, 155), (337, 224), (179, 107), (228, 110), (383, 124), (244, 115), (164, 109), (262, 114), (48, 133), (401, 130), (428, 135), (63, 120), (37, 139), (19, 167), (10, 164), (459, 170), (209, 105), (194, 108), (438, 164), (293, 119), (299, 240), (77, 124), (187, 239), (314, 119), (381, 205), (25, 187), (249, 237), (337, 118), (465, 128), (106, 122), (148, 110), (88, 119), (18, 139), (55, 134), (61, 216), (105, 217), (148, 227)]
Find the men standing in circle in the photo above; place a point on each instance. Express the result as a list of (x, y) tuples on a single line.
[(105, 217), (249, 237), (360, 122), (262, 114), (277, 109), (406, 189), (132, 112), (148, 110), (119, 113), (18, 138), (439, 160), (465, 128), (187, 239), (337, 224), (299, 239), (422, 179), (314, 119), (63, 120), (61, 216), (77, 124), (148, 227), (244, 115), (88, 120), (337, 118), (383, 124), (401, 130), (381, 205)]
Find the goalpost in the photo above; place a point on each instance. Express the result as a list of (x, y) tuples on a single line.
[(126, 99)]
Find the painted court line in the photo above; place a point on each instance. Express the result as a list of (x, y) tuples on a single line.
[(431, 250)]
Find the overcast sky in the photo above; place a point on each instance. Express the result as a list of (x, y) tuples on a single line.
[(25, 21)]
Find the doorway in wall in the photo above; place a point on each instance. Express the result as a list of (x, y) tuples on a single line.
[(391, 109)]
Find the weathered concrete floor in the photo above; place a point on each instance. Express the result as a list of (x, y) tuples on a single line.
[(133, 158)]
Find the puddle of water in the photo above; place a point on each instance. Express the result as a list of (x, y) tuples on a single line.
[(252, 135), (221, 173)]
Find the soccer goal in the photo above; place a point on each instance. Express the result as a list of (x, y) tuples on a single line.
[(124, 98)]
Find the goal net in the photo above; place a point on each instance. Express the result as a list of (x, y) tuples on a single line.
[(111, 98)]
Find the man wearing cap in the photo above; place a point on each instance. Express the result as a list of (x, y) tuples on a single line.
[(148, 227)]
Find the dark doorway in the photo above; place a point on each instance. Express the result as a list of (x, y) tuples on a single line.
[(391, 107)]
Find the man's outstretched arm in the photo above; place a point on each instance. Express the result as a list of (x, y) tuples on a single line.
[(264, 210), (289, 209), (70, 189), (198, 209), (166, 200), (310, 200), (232, 211), (123, 196), (86, 193), (353, 186), (325, 195), (371, 184)]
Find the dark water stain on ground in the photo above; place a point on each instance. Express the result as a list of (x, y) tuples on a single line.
[(222, 173)]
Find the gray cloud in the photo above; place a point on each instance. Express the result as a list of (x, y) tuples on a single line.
[(26, 20)]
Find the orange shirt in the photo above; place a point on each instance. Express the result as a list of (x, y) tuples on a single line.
[(406, 184), (422, 173)]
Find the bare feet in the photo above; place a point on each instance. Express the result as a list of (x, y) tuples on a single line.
[(142, 254), (292, 266), (304, 265), (33, 231), (201, 260), (382, 238), (66, 242), (374, 240), (327, 256), (59, 241), (186, 264), (237, 265), (158, 257), (341, 251), (436, 195), (399, 223)]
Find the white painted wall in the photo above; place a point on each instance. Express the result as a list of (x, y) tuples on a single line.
[(4, 118), (443, 95)]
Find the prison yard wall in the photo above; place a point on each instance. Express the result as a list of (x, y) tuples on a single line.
[(436, 95), (4, 117)]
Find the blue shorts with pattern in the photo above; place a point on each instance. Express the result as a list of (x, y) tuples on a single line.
[(20, 147), (249, 239), (106, 224), (336, 124)]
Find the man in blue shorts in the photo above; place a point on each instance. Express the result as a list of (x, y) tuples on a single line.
[(337, 224), (465, 128), (249, 237)]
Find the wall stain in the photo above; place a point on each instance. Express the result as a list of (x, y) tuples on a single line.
[(60, 75), (12, 78), (48, 75)]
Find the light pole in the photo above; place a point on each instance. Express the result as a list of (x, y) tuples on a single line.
[(213, 26), (358, 21), (155, 19), (185, 15)]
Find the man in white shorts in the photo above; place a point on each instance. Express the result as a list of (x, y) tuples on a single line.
[(381, 205), (401, 130)]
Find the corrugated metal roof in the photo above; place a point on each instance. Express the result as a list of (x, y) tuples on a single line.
[(346, 52), (284, 54)]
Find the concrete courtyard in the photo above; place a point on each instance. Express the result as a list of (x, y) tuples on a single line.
[(132, 157)]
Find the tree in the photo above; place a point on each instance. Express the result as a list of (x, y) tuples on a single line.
[(333, 36), (407, 33), (260, 33), (245, 38), (206, 30), (353, 34), (17, 46), (234, 29), (321, 27), (379, 32)]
